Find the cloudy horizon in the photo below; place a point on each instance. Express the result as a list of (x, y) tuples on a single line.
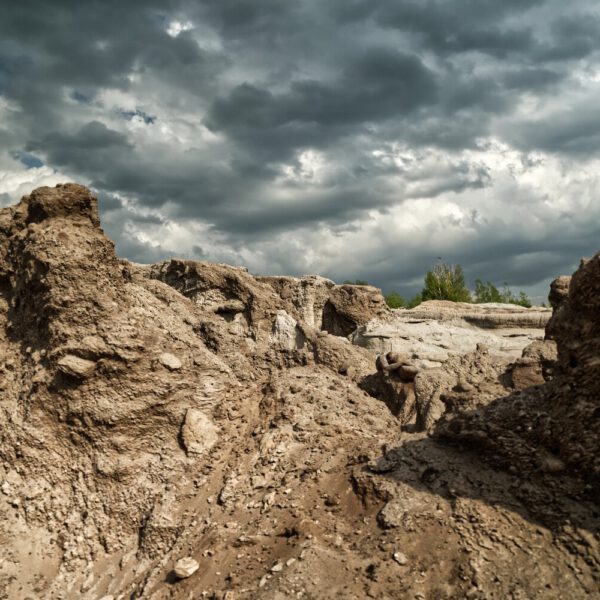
[(353, 139)]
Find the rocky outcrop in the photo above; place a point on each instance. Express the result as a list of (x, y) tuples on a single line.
[(98, 375), (436, 330), (553, 426), (188, 430), (122, 385), (536, 365), (485, 316)]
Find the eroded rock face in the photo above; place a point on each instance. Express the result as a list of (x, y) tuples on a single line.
[(188, 410), (554, 423), (93, 417), (536, 365), (350, 306), (122, 385)]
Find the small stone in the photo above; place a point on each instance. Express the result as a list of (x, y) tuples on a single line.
[(277, 568), (186, 567), (290, 561), (400, 558), (77, 367), (170, 361), (551, 464)]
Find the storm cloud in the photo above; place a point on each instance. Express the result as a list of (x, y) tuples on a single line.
[(351, 138)]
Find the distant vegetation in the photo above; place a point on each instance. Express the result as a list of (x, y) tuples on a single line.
[(356, 282), (488, 292), (447, 282)]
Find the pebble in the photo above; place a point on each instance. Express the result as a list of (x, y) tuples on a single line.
[(277, 568), (400, 558), (77, 367), (185, 567), (170, 361), (553, 464)]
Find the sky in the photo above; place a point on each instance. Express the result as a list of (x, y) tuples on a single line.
[(356, 139)]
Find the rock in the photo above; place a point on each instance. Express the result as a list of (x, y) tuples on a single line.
[(350, 306), (559, 290), (198, 432), (552, 464), (170, 361), (560, 413), (185, 567), (461, 383), (535, 366), (286, 332), (400, 558), (277, 568), (76, 367), (437, 330), (69, 200)]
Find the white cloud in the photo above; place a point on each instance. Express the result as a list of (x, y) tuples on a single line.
[(176, 27), (19, 182)]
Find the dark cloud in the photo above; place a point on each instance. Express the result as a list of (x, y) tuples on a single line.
[(356, 138), (573, 132), (378, 85)]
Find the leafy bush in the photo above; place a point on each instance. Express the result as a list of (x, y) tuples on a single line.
[(395, 300), (523, 300), (488, 292), (446, 282)]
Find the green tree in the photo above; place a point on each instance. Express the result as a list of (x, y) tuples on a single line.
[(395, 300), (486, 292), (446, 282)]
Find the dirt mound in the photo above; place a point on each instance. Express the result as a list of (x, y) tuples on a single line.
[(187, 430)]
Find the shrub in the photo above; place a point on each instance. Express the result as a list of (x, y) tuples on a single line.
[(395, 300), (523, 300), (488, 292), (446, 282)]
